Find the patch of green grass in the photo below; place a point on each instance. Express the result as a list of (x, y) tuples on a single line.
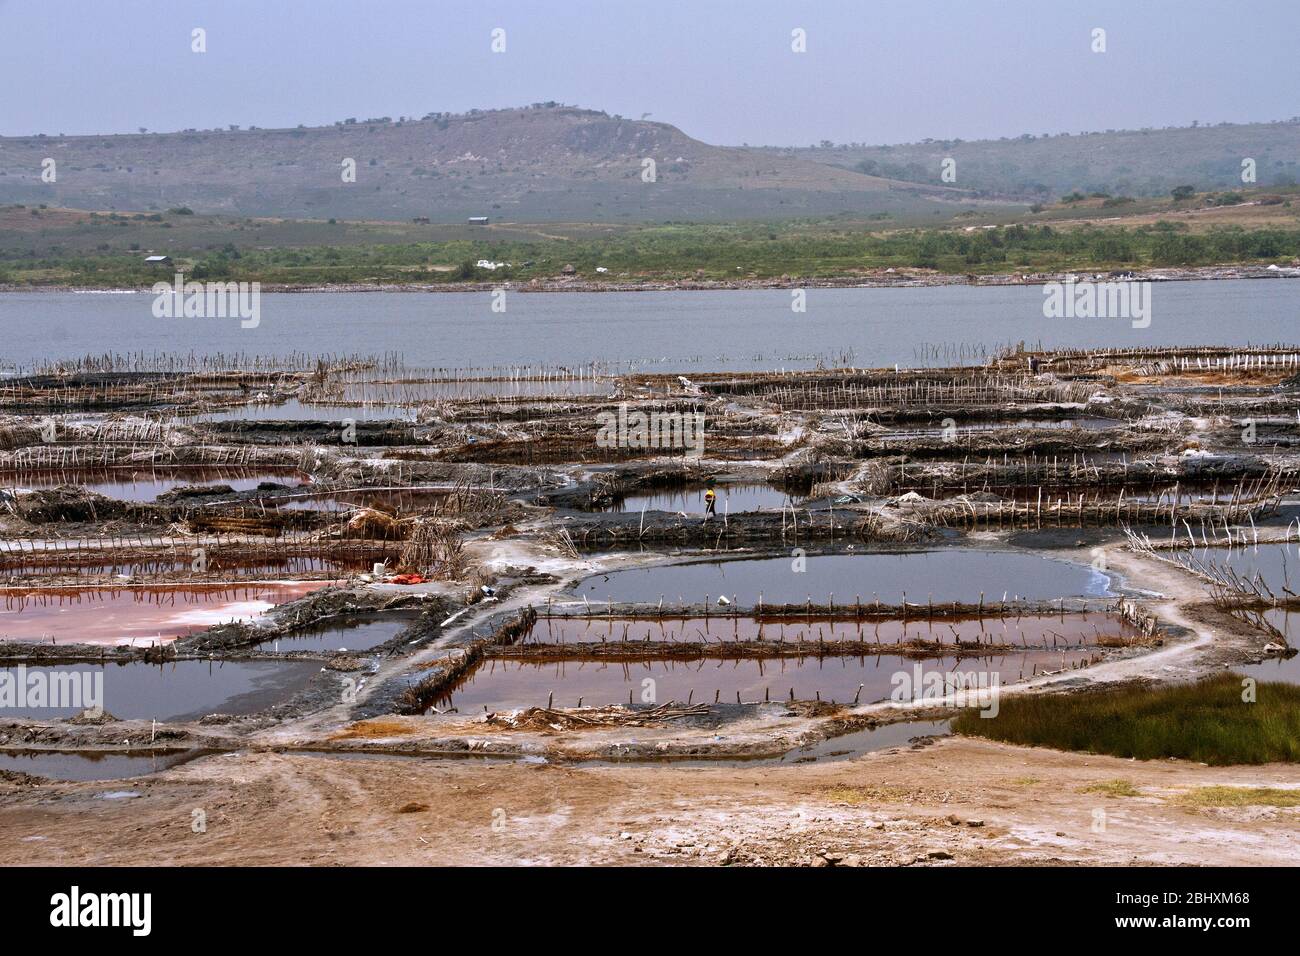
[(1206, 721), (1113, 788), (1240, 797)]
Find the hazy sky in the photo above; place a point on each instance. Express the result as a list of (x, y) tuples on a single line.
[(875, 71)]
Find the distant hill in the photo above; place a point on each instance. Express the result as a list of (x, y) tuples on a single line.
[(535, 164), (1148, 162)]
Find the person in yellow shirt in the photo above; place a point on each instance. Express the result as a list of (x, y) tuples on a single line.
[(710, 503)]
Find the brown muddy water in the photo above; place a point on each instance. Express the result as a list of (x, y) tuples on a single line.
[(954, 574), (859, 742), (175, 690), (508, 684), (87, 765), (136, 616), (844, 747), (1027, 631)]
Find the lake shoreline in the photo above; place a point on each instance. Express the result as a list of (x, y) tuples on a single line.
[(883, 279)]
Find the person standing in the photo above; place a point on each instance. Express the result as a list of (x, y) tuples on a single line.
[(710, 503)]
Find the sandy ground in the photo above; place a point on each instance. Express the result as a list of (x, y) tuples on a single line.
[(955, 801)]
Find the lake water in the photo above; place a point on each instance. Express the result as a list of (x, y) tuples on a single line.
[(659, 331)]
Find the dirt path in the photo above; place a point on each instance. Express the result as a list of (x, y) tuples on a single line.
[(956, 801)]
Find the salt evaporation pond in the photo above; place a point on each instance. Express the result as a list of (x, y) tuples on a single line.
[(405, 500), (1024, 631), (146, 485), (297, 411), (953, 574), (175, 690), (414, 392), (1277, 565), (732, 499), (504, 684), (1282, 669), (1083, 423), (358, 633), (219, 567), (136, 616), (1276, 669)]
